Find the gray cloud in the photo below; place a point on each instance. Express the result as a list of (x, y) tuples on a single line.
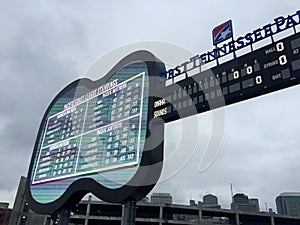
[(35, 65)]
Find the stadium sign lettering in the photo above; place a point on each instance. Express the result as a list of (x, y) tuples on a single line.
[(280, 23)]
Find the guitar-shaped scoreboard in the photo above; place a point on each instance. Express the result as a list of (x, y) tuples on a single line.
[(95, 137), (106, 136)]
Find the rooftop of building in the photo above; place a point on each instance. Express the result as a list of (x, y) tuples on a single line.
[(160, 194), (290, 194)]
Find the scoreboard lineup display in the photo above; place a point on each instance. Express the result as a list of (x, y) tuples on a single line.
[(97, 134), (271, 68)]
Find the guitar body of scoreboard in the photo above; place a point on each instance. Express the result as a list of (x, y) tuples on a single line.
[(95, 137)]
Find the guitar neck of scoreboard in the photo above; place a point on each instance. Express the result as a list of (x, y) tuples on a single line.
[(268, 69)]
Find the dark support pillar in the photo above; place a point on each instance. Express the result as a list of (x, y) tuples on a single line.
[(160, 214), (200, 215), (129, 213), (88, 210), (237, 218), (64, 217), (272, 220)]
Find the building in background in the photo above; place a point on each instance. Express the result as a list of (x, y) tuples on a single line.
[(21, 213), (241, 202), (4, 205), (94, 212), (161, 198), (5, 213), (144, 200), (210, 201), (193, 202), (288, 203), (255, 202)]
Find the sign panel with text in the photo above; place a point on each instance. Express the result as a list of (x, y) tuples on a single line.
[(94, 138)]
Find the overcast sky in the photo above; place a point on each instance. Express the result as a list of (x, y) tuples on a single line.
[(46, 45)]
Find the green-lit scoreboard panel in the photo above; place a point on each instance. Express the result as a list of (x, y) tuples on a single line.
[(93, 134)]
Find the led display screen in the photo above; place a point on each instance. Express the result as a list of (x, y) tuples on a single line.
[(95, 132)]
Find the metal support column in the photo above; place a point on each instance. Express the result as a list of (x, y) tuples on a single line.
[(272, 220), (237, 218), (200, 215), (160, 214), (64, 217), (129, 213), (88, 210)]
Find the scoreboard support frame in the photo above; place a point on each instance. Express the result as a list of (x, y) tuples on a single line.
[(64, 216), (129, 213)]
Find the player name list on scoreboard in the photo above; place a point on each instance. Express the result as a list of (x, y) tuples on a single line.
[(97, 134)]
